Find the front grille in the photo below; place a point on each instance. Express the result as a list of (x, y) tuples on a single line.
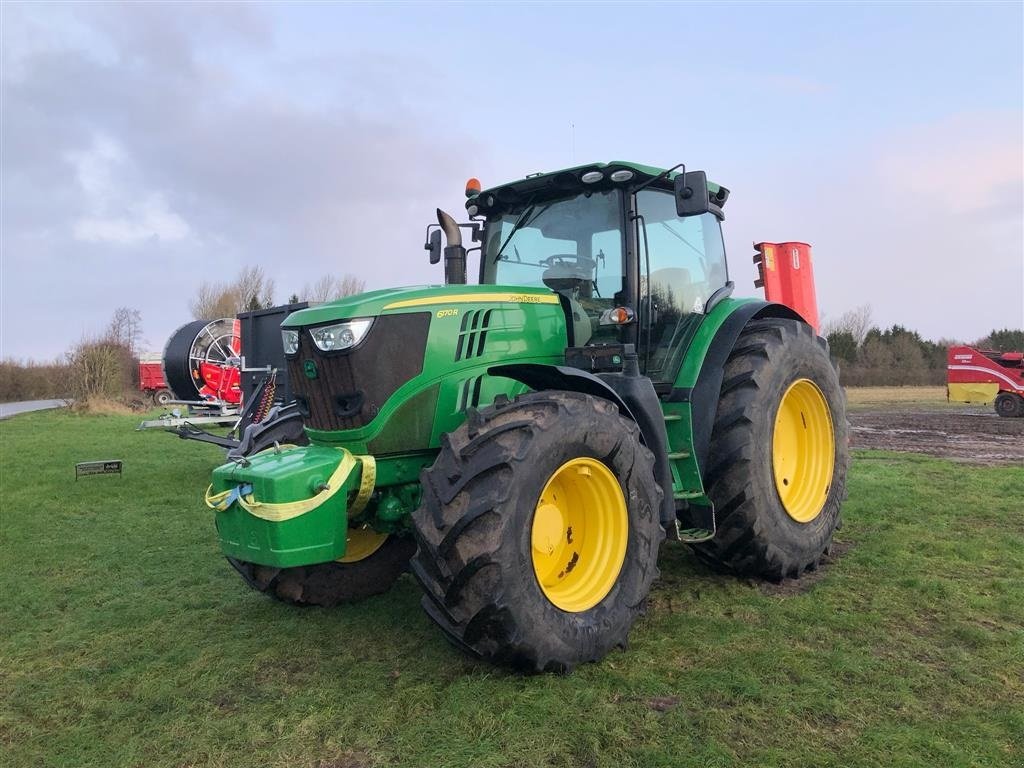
[(350, 387), (473, 334)]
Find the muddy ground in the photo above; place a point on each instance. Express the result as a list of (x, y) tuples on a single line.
[(970, 434)]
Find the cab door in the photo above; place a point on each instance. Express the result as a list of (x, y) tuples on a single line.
[(682, 266)]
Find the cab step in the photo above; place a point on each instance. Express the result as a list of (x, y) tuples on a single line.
[(693, 535), (698, 524)]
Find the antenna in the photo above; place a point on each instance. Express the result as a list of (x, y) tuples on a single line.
[(572, 143)]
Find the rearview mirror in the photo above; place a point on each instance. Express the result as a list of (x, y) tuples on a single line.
[(434, 246), (691, 191)]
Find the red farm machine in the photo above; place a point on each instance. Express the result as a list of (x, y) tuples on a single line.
[(225, 372), (198, 366), (786, 273), (986, 376)]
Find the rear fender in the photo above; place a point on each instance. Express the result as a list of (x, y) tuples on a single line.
[(708, 361)]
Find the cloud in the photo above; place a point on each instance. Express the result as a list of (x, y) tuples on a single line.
[(118, 214), (147, 141), (148, 220)]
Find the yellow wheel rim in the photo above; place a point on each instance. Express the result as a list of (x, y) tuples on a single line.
[(361, 543), (803, 450), (579, 533)]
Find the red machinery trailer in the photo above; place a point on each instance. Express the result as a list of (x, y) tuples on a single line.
[(981, 376), (151, 381)]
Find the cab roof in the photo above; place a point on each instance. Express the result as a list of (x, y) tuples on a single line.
[(540, 185)]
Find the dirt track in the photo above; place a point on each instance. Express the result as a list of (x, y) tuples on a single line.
[(973, 435)]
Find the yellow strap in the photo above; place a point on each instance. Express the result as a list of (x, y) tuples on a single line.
[(278, 513), (217, 501), (366, 483)]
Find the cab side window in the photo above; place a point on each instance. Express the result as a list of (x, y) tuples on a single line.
[(687, 265)]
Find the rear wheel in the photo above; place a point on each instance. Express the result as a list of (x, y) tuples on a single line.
[(777, 466), (538, 534), (371, 565), (162, 397), (1009, 405)]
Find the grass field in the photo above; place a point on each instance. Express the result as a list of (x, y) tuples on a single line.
[(126, 640), (873, 397)]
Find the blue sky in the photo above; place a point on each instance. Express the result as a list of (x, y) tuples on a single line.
[(148, 147)]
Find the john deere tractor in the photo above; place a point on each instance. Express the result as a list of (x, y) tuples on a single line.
[(523, 445)]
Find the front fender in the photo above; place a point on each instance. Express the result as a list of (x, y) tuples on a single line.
[(635, 398), (543, 377)]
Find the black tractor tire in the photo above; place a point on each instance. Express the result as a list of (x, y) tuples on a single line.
[(755, 535), (330, 584), (162, 397), (1009, 405), (474, 531)]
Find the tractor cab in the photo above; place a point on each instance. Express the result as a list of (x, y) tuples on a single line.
[(636, 257)]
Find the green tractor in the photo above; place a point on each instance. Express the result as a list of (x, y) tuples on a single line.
[(525, 444)]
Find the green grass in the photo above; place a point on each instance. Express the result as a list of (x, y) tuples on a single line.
[(860, 398), (126, 640)]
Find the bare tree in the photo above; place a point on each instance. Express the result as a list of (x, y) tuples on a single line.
[(330, 288), (213, 300), (125, 329), (252, 289), (856, 322)]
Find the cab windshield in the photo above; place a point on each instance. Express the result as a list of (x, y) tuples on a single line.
[(572, 245)]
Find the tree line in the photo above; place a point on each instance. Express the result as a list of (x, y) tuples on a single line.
[(897, 356), (104, 366), (252, 290)]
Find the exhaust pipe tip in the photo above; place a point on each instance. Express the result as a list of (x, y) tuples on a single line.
[(454, 253), (452, 233)]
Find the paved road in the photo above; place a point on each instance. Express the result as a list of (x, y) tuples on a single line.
[(11, 409)]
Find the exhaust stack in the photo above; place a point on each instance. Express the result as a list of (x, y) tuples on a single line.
[(454, 253)]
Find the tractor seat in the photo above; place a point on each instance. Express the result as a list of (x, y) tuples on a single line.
[(582, 326), (673, 286)]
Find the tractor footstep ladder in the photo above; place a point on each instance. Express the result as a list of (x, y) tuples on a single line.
[(700, 522)]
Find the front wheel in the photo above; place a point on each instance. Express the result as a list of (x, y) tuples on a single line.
[(372, 563), (776, 470), (1009, 405), (538, 533)]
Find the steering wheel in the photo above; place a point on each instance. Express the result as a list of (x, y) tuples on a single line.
[(559, 258)]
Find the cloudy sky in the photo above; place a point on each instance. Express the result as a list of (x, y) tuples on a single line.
[(148, 147)]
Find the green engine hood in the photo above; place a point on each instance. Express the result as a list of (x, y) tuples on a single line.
[(422, 363), (418, 298)]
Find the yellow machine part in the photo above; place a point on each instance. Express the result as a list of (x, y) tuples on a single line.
[(979, 392), (362, 542), (803, 450), (580, 530)]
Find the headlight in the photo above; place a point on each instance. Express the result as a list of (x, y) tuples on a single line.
[(290, 339), (331, 338)]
